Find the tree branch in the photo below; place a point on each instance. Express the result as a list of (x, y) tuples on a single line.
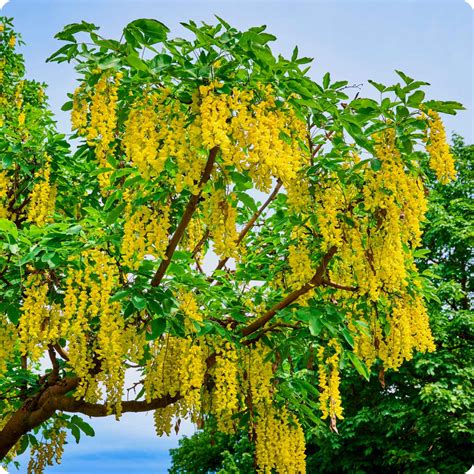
[(37, 410), (315, 281), (318, 147), (199, 245), (61, 352), (338, 286), (69, 404), (33, 413), (272, 327), (188, 214), (252, 221)]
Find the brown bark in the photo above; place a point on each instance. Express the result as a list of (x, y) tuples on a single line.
[(37, 410), (34, 411), (292, 297), (188, 214), (252, 221)]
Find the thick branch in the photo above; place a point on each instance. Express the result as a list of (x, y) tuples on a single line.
[(61, 352), (188, 214), (252, 221), (69, 404), (33, 413), (53, 376), (36, 411), (338, 286), (292, 297)]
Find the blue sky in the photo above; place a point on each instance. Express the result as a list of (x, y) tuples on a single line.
[(355, 40)]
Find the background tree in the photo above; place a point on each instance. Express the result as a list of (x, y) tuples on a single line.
[(106, 274), (416, 419)]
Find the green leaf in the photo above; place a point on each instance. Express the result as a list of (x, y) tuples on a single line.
[(242, 181), (134, 61), (359, 365), (348, 336), (407, 79), (82, 425), (315, 325), (326, 80), (416, 99), (294, 55), (156, 329), (8, 228), (69, 30), (24, 442), (119, 295), (339, 84), (115, 213), (375, 164), (155, 307), (380, 87), (76, 433), (445, 107), (153, 31), (139, 302), (248, 201), (67, 106)]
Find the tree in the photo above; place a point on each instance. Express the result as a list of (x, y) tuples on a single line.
[(415, 419), (102, 252), (419, 418)]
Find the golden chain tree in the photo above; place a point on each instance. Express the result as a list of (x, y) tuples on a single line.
[(106, 254)]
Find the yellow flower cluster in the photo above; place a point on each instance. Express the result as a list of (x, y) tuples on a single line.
[(375, 247), (250, 130), (87, 297), (49, 452), (43, 195), (142, 136), (298, 194), (145, 233), (220, 217), (163, 418), (225, 396), (332, 202), (259, 375), (35, 321), (7, 342), (80, 109), (12, 41), (299, 259), (441, 159), (328, 369), (280, 443), (177, 366), (215, 115), (190, 308), (193, 235), (4, 183), (110, 347), (193, 368), (409, 331), (189, 144), (97, 120), (157, 130)]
